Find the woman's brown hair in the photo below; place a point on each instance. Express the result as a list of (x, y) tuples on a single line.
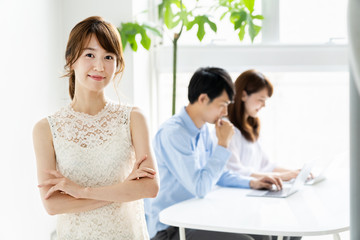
[(250, 81), (106, 34)]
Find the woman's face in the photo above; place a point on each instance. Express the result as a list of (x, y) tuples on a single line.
[(254, 102), (94, 68)]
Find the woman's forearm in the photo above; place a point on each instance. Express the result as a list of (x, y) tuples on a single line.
[(62, 203), (124, 192), (278, 169)]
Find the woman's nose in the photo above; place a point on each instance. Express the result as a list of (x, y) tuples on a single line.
[(99, 65)]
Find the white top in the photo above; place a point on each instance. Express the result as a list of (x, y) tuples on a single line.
[(247, 157), (96, 151), (315, 210)]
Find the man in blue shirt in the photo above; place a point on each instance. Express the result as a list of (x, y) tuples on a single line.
[(190, 161)]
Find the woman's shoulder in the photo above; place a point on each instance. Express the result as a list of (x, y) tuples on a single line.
[(42, 128), (45, 122), (237, 133), (136, 115), (240, 139)]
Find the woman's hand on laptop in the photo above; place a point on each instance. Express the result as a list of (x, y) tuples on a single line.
[(287, 176), (266, 182)]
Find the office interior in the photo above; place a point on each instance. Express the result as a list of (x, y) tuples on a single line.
[(302, 48)]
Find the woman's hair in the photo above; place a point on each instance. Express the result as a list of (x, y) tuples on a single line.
[(250, 81), (212, 81), (106, 34)]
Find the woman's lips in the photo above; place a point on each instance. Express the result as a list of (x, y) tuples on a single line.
[(96, 77)]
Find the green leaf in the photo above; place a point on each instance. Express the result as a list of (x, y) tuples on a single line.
[(128, 32), (123, 38), (153, 30), (166, 13), (183, 16), (223, 15), (249, 4), (223, 2), (200, 21), (242, 32), (261, 17), (161, 10), (238, 18), (145, 40), (168, 17), (132, 42), (253, 29)]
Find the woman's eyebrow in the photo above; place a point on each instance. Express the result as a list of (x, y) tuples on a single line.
[(88, 48)]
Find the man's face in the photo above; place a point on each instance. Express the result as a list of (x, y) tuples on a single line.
[(216, 109)]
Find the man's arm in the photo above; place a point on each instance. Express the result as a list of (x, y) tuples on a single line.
[(174, 149)]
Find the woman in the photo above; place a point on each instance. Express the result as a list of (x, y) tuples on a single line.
[(252, 91), (93, 156)]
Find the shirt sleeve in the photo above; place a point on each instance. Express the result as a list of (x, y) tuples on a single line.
[(175, 150), (230, 179)]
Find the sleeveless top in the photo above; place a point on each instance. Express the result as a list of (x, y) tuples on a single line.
[(95, 151)]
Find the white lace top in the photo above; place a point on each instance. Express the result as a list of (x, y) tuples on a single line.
[(97, 151)]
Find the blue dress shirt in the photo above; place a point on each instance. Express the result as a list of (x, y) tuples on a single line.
[(190, 164)]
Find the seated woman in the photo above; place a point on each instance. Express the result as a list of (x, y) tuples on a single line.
[(248, 159)]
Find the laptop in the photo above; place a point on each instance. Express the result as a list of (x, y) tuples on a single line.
[(288, 189), (324, 170)]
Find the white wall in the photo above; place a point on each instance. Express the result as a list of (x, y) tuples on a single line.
[(29, 43), (114, 11), (33, 40), (134, 85)]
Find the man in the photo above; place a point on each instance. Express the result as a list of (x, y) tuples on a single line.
[(190, 162)]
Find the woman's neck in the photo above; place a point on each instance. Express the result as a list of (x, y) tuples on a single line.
[(91, 103)]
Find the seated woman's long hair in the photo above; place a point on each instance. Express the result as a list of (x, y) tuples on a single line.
[(250, 81)]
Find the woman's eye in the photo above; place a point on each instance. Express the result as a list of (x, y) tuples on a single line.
[(89, 55), (109, 57)]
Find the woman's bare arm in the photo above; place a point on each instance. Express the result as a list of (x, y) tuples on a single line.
[(130, 190), (45, 159), (142, 182)]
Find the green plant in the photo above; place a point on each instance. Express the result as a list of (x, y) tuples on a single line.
[(175, 17), (128, 32)]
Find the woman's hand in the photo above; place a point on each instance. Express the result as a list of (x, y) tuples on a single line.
[(287, 176), (60, 183), (140, 172)]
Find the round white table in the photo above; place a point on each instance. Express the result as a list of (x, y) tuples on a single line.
[(314, 210)]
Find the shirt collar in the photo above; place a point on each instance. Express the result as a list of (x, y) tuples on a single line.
[(189, 123)]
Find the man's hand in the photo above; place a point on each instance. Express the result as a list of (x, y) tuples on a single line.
[(224, 132), (266, 182)]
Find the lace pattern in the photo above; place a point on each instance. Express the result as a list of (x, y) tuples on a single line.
[(97, 151)]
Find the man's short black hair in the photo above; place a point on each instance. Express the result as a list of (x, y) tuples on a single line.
[(212, 81)]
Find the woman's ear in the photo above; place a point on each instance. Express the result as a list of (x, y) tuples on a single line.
[(244, 96)]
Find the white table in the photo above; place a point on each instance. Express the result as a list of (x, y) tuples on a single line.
[(314, 210)]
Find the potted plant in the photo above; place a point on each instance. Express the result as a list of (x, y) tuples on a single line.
[(176, 18)]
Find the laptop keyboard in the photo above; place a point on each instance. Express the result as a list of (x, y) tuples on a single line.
[(277, 193)]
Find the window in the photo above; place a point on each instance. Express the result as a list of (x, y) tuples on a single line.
[(306, 21), (308, 113)]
